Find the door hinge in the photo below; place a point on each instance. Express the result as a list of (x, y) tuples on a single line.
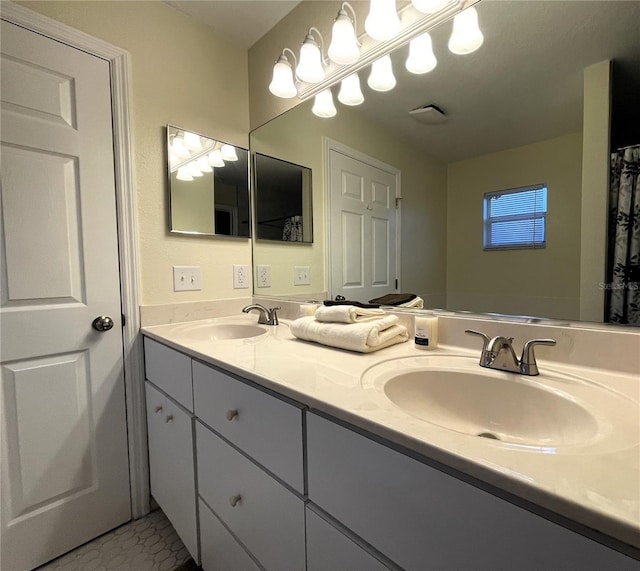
[(124, 319), (396, 284), (398, 199)]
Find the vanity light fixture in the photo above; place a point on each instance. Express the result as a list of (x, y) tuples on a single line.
[(429, 6), (194, 170), (350, 92), (228, 153), (466, 36), (310, 67), (215, 158), (381, 77), (203, 164), (383, 22), (421, 57), (323, 105), (179, 148), (192, 141), (344, 48), (282, 84), (184, 174)]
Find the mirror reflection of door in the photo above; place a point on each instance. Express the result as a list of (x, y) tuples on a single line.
[(364, 225)]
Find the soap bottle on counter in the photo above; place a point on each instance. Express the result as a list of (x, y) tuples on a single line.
[(426, 336)]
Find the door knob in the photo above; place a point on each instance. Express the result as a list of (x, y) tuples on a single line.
[(102, 323)]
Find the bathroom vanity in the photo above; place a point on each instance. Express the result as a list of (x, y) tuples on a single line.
[(263, 461)]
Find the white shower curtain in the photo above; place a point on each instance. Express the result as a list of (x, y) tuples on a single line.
[(624, 237)]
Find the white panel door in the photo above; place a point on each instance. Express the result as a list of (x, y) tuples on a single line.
[(363, 219), (64, 473)]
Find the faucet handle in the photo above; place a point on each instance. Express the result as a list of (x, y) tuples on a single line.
[(485, 337), (528, 365), (273, 316)]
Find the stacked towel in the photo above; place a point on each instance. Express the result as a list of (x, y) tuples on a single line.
[(346, 314), (363, 337)]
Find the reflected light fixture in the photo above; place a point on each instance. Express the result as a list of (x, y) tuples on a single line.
[(383, 22), (421, 57), (192, 141), (310, 66), (323, 105), (350, 92), (203, 164), (184, 174), (193, 169), (466, 36), (381, 77), (215, 158), (282, 84), (179, 148), (344, 48), (429, 6), (228, 153)]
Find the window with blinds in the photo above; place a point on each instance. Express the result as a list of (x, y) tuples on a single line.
[(515, 218)]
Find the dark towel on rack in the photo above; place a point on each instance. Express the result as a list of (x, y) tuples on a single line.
[(394, 299), (329, 302)]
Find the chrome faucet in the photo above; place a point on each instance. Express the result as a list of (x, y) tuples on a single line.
[(498, 353), (266, 316)]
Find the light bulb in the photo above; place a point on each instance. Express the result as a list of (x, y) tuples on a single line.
[(350, 92), (382, 23), (466, 36), (282, 84), (194, 170), (429, 6), (179, 148), (215, 158), (310, 65), (343, 49), (192, 141), (228, 153), (184, 174), (323, 105), (203, 164), (381, 77), (421, 58)]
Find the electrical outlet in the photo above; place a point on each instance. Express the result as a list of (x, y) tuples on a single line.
[(240, 276), (186, 278), (263, 276), (301, 275)]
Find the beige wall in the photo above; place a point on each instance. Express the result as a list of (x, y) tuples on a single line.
[(184, 75), (525, 282), (297, 136)]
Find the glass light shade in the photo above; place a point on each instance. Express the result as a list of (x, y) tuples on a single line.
[(215, 158), (194, 170), (429, 6), (466, 36), (350, 92), (421, 57), (343, 49), (323, 105), (382, 23), (203, 164), (381, 77), (228, 153), (179, 148), (184, 174), (310, 65), (192, 141), (282, 84)]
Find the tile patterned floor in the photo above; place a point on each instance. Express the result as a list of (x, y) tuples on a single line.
[(147, 544)]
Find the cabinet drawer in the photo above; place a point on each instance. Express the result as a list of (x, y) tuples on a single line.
[(328, 549), (264, 427), (169, 370), (266, 517), (422, 518), (220, 550)]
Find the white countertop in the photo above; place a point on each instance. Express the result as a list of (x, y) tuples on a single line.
[(596, 487)]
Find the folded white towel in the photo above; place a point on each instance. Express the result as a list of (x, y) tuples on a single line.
[(417, 303), (347, 313), (362, 337)]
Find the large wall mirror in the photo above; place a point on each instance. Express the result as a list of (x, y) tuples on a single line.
[(208, 185), (523, 110)]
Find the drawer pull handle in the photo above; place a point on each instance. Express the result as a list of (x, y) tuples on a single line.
[(235, 500), (231, 414), (159, 408), (169, 418)]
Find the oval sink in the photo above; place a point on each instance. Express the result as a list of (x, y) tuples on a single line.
[(221, 331), (543, 412)]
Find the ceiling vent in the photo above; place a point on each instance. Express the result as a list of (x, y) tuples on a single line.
[(429, 115)]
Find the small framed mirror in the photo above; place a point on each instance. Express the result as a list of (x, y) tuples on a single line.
[(283, 197), (208, 185)]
